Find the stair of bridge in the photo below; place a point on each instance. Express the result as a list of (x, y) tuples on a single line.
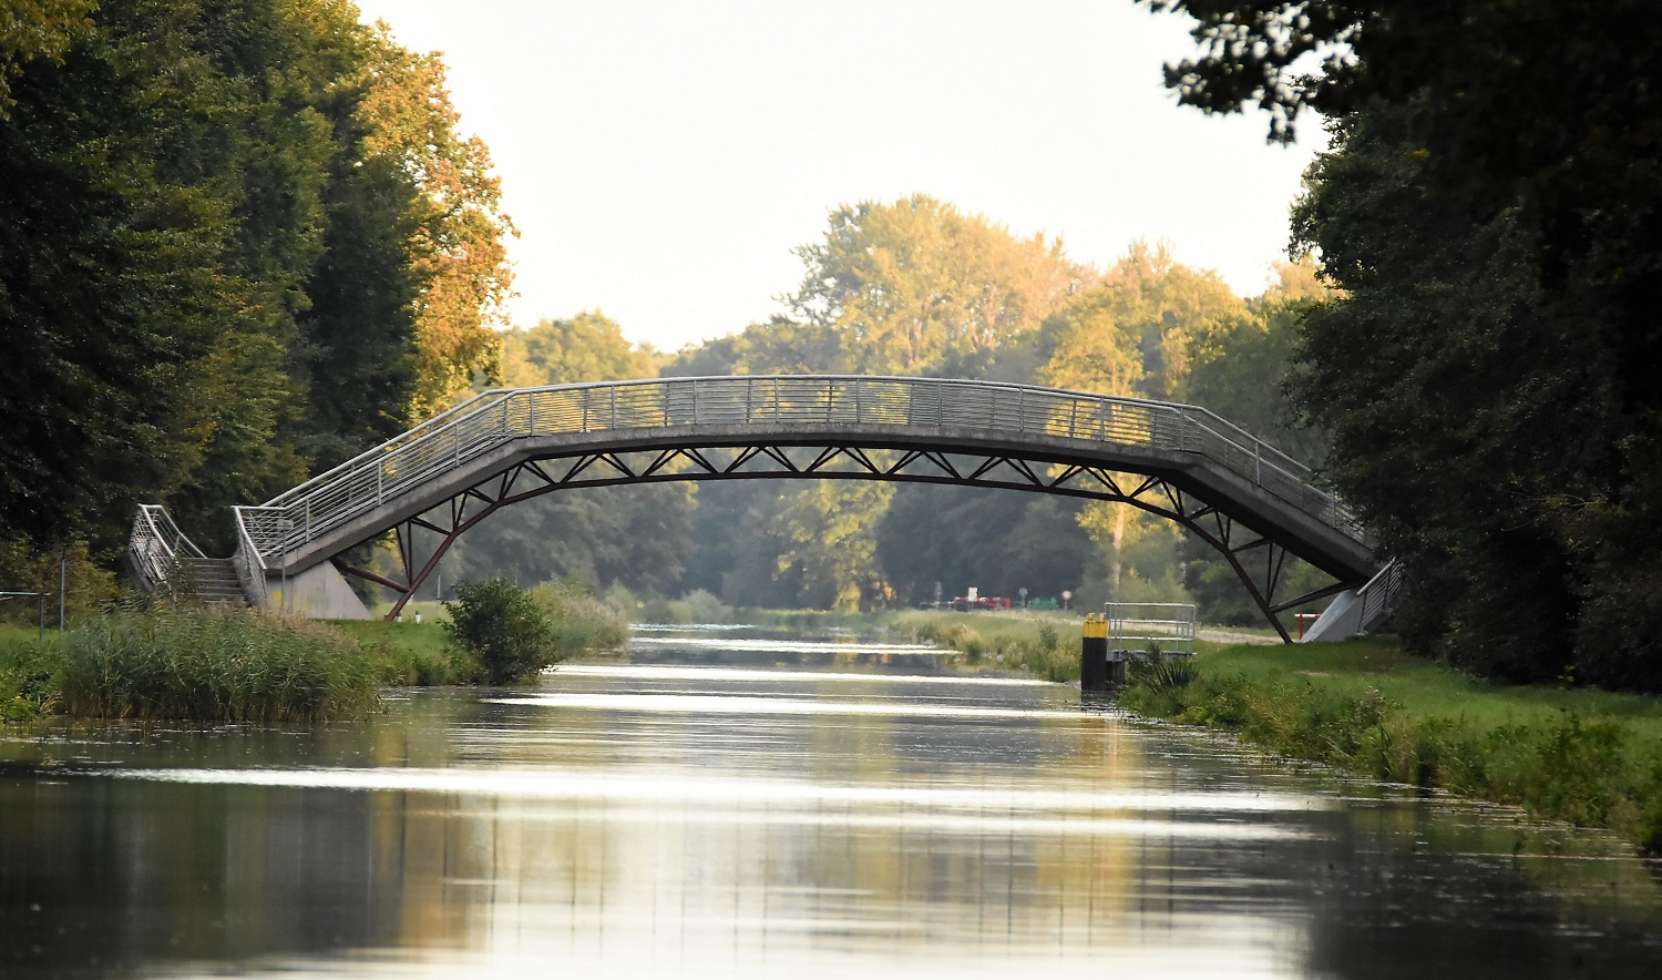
[(211, 580)]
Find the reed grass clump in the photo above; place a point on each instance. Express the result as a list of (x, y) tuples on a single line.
[(581, 621), (213, 665)]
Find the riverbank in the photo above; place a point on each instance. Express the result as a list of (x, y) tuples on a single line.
[(1581, 755), (215, 664), (1589, 757)]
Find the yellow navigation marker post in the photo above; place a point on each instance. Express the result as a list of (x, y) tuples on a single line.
[(1093, 654)]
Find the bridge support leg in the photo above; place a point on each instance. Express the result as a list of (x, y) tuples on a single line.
[(406, 534), (1264, 598)]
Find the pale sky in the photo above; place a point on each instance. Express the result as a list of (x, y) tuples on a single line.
[(661, 159)]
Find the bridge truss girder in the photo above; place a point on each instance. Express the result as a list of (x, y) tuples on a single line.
[(1256, 557)]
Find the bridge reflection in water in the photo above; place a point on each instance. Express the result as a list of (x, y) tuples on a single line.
[(664, 818)]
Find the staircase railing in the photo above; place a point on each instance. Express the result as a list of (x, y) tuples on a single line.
[(817, 402), (1379, 595), (250, 564), (156, 545)]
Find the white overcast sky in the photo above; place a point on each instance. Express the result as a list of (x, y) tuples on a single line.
[(662, 158)]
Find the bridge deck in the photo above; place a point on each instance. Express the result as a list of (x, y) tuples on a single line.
[(1057, 441)]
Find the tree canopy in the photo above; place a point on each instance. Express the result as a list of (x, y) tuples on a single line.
[(236, 241), (1488, 212)]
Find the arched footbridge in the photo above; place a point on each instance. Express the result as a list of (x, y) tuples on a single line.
[(1251, 502)]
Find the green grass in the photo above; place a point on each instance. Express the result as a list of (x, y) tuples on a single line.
[(28, 672), (409, 654), (419, 654), (208, 664), (1590, 757), (1041, 643), (219, 665)]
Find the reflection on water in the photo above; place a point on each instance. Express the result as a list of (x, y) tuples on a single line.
[(698, 811)]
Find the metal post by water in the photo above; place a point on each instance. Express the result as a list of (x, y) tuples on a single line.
[(1093, 655)]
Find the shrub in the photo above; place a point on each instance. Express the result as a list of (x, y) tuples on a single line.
[(89, 586), (501, 625), (704, 607), (1048, 638), (211, 664), (621, 601), (28, 667)]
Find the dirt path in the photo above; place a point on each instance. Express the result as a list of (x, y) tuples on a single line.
[(1213, 634)]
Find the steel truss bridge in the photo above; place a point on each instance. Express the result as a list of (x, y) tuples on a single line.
[(1252, 503)]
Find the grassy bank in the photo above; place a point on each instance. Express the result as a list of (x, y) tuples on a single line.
[(1043, 644), (196, 663), (232, 665), (1588, 757)]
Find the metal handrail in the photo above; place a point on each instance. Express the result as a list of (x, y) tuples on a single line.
[(1125, 626), (251, 566), (156, 544), (498, 416), (1379, 595), (403, 438)]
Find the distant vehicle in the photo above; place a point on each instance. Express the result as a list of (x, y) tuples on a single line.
[(964, 603)]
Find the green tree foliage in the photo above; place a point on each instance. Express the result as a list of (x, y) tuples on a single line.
[(998, 542), (588, 347), (237, 241), (916, 286), (1490, 210), (1242, 378), (31, 29), (1138, 329), (504, 627), (1135, 333), (458, 245)]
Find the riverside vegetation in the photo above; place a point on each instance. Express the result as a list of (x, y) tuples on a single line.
[(215, 664), (1589, 757), (1586, 756)]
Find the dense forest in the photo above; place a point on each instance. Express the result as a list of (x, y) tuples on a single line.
[(1490, 212), (238, 241), (241, 240)]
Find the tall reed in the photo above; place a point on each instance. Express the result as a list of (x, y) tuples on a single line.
[(211, 664)]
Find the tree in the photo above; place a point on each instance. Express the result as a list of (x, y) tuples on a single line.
[(914, 284), (31, 29), (587, 347), (1490, 210), (1134, 334), (111, 280), (459, 240), (504, 628), (236, 239)]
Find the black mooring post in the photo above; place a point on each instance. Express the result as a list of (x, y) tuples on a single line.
[(1093, 655)]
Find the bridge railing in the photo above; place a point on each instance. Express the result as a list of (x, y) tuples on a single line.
[(1247, 455), (499, 416), (1379, 595), (155, 545)]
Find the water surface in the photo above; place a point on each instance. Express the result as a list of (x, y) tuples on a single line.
[(728, 803)]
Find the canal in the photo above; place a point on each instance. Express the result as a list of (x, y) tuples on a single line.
[(727, 803)]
